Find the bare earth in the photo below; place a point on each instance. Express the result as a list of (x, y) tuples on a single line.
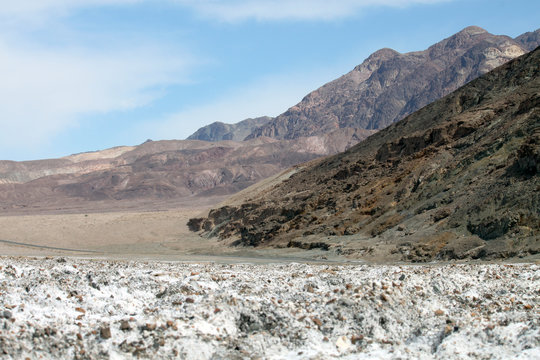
[(158, 235), (140, 285)]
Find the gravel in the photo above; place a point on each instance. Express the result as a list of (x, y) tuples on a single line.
[(79, 308)]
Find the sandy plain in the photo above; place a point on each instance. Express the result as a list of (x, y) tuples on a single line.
[(157, 235)]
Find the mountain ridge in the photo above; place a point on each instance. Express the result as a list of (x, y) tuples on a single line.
[(218, 131), (161, 173), (389, 85)]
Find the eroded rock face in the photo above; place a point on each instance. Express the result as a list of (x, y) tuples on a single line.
[(389, 85), (458, 178)]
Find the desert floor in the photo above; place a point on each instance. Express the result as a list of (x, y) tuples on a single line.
[(158, 235), (65, 307), (141, 285)]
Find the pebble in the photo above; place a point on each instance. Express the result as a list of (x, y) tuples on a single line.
[(105, 332), (124, 325)]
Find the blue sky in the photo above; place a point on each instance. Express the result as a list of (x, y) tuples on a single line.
[(83, 75)]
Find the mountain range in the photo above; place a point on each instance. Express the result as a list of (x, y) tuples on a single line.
[(384, 88), (456, 179), (157, 174), (389, 85)]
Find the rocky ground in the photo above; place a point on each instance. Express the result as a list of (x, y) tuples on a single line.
[(78, 308)]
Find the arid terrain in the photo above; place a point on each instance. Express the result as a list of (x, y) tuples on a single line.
[(158, 175), (456, 179), (295, 237), (152, 235), (389, 85), (95, 309)]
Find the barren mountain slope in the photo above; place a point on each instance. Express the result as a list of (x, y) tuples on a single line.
[(218, 131), (529, 40), (458, 178), (389, 85), (157, 171)]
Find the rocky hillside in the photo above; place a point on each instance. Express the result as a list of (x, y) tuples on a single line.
[(218, 131), (389, 85), (458, 178), (185, 171), (529, 40)]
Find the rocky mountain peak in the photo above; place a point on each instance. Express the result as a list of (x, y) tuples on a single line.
[(473, 30), (529, 40), (389, 85), (383, 54)]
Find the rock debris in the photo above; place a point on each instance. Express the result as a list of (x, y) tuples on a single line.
[(49, 309)]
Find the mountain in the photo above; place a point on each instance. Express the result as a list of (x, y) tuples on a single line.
[(529, 40), (157, 174), (389, 85), (456, 179), (218, 131)]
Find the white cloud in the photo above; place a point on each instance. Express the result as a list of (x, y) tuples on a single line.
[(269, 96), (40, 6), (44, 92), (224, 10), (238, 10)]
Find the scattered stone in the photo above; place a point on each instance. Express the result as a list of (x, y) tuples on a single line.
[(439, 312), (356, 338), (6, 314), (335, 325), (105, 332), (317, 321), (124, 325), (149, 327)]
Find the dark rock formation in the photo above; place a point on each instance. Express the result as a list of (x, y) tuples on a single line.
[(529, 40)]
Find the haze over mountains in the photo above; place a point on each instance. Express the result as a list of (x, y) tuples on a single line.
[(456, 179), (381, 90)]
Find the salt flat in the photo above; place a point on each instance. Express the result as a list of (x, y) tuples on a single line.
[(61, 307)]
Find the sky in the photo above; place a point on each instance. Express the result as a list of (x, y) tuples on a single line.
[(85, 75)]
